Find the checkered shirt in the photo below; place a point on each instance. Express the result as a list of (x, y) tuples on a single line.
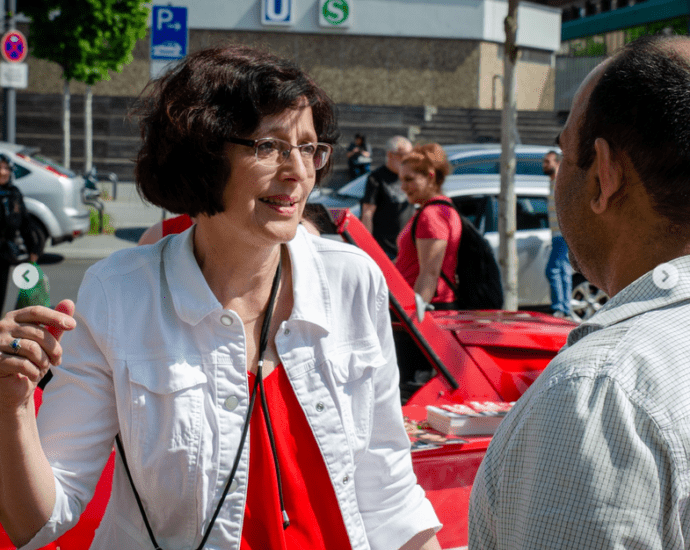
[(596, 454)]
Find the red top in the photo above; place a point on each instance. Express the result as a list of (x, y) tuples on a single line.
[(176, 225), (437, 221), (315, 518)]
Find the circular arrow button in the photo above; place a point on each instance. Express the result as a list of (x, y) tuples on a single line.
[(25, 276), (665, 276)]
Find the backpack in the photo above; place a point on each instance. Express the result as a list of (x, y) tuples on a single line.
[(478, 279)]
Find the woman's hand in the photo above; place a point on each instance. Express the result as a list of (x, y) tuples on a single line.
[(29, 345)]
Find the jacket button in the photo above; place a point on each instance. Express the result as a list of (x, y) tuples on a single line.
[(346, 478), (287, 332), (233, 486), (231, 403), (320, 407), (226, 320)]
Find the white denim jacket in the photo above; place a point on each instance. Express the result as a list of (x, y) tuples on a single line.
[(156, 358)]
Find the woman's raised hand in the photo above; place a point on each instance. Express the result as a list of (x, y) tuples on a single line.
[(29, 345)]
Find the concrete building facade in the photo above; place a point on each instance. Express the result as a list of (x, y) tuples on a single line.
[(441, 53)]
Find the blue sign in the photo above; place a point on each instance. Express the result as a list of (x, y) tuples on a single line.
[(168, 33), (276, 12)]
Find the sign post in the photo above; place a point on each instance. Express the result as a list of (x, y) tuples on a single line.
[(169, 37), (14, 73)]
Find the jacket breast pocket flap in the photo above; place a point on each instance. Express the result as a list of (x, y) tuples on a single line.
[(353, 364), (164, 378)]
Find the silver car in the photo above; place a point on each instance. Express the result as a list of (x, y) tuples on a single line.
[(52, 194)]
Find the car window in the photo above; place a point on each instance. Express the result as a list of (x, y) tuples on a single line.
[(482, 210), (531, 213), (526, 167), (48, 164), (481, 167), (475, 209), (20, 171)]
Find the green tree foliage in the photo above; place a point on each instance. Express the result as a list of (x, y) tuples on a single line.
[(87, 38), (677, 25)]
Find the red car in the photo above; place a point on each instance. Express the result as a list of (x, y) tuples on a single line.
[(448, 357)]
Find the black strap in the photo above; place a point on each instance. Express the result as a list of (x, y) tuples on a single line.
[(258, 386), (413, 231)]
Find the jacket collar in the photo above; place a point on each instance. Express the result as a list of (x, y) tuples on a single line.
[(193, 299)]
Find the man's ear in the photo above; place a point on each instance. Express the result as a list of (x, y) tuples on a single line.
[(609, 176)]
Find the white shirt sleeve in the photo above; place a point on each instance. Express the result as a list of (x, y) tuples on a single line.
[(78, 420), (393, 507)]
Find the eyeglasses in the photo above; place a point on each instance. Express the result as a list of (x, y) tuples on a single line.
[(274, 151)]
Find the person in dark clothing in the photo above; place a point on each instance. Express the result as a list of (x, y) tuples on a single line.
[(358, 156), (14, 221), (385, 209)]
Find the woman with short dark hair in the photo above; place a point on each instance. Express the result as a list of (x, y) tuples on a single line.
[(245, 368)]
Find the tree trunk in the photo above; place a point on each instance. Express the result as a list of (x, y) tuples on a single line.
[(66, 148), (506, 217), (88, 129)]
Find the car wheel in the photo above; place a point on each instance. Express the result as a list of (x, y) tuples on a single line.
[(587, 299), (40, 233)]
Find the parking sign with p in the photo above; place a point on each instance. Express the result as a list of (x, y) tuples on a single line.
[(168, 33)]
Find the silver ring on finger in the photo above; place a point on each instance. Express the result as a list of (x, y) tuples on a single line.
[(16, 346)]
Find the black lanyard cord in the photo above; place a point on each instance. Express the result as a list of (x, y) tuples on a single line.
[(258, 386)]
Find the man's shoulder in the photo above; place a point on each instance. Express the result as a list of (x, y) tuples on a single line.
[(646, 357), (383, 174)]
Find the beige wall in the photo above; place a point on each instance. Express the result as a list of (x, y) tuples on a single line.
[(362, 70), (535, 82), (353, 69)]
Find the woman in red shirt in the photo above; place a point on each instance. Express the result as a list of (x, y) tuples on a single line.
[(433, 249)]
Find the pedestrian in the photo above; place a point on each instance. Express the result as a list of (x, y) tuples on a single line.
[(428, 244), (559, 273), (18, 243), (358, 156), (244, 367), (595, 453), (385, 209)]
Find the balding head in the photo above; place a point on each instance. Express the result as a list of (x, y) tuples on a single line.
[(640, 104)]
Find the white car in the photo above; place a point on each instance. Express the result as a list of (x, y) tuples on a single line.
[(53, 194), (476, 197)]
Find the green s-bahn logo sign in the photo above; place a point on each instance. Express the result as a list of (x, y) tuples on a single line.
[(335, 13)]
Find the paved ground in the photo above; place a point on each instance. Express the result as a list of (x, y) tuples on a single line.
[(130, 217)]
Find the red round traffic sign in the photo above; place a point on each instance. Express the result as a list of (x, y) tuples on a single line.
[(14, 46)]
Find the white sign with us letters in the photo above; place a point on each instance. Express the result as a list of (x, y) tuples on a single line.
[(277, 12)]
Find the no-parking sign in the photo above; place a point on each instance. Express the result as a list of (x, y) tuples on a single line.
[(14, 46)]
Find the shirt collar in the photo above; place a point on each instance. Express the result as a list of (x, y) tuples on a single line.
[(312, 293), (640, 296), (193, 299)]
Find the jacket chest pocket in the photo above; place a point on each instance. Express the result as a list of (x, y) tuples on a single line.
[(353, 373), (166, 404)]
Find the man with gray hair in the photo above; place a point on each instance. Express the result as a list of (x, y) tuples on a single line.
[(385, 209), (596, 453)]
